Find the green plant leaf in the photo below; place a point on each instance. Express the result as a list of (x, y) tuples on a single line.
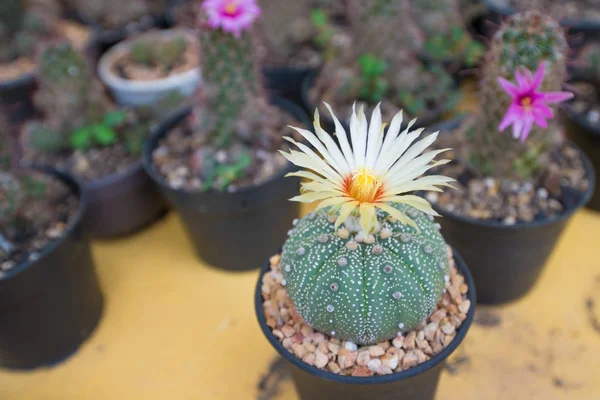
[(114, 118), (104, 135), (81, 139), (318, 17)]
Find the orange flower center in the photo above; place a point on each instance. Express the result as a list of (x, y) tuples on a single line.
[(231, 8), (364, 186), (526, 102)]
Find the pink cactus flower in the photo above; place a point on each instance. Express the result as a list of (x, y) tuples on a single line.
[(529, 105), (232, 16)]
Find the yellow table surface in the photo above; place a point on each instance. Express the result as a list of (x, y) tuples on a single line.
[(176, 329)]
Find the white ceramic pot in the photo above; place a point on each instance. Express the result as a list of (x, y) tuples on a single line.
[(134, 93)]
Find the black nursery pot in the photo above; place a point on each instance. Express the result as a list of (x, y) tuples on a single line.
[(123, 203), (17, 96), (232, 231), (587, 137), (49, 306), (287, 81), (419, 382), (507, 260)]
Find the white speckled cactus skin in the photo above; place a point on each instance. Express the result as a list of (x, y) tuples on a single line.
[(365, 290)]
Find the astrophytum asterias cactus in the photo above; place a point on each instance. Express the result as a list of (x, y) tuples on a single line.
[(370, 262)]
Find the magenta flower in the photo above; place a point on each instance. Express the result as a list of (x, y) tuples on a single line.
[(529, 105), (231, 15)]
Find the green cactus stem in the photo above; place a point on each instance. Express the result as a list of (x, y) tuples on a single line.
[(524, 41), (365, 289)]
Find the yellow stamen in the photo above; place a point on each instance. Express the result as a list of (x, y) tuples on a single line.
[(526, 101), (231, 8), (364, 186)]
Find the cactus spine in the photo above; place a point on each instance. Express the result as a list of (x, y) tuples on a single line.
[(365, 290), (525, 40)]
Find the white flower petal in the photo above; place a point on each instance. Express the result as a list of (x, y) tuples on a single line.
[(342, 138), (374, 137)]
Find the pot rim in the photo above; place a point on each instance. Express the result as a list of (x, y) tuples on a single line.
[(587, 165), (76, 186), (111, 179), (373, 380), (116, 82), (160, 130)]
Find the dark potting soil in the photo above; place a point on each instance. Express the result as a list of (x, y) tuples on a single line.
[(559, 188), (90, 165), (46, 214), (182, 156), (400, 353), (560, 9)]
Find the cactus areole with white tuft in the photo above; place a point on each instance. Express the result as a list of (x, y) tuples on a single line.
[(370, 263)]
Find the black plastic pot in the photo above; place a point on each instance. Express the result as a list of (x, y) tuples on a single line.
[(419, 382), (497, 12), (123, 203), (587, 137), (17, 96), (49, 306), (233, 231), (287, 81), (327, 122), (506, 260)]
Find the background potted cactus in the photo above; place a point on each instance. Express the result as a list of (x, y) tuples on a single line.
[(23, 25), (445, 35), (582, 114), (515, 192), (114, 20), (147, 68), (218, 164), (384, 67), (366, 299), (579, 16), (84, 133), (51, 301), (298, 36)]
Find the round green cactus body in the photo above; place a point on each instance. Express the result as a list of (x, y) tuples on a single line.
[(365, 289)]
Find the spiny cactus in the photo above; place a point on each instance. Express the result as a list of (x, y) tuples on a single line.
[(231, 71), (11, 192), (70, 96), (524, 41), (23, 25), (369, 263), (113, 14), (164, 53), (365, 290)]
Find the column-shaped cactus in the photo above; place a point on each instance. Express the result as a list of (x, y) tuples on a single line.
[(523, 42), (70, 96), (230, 64)]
